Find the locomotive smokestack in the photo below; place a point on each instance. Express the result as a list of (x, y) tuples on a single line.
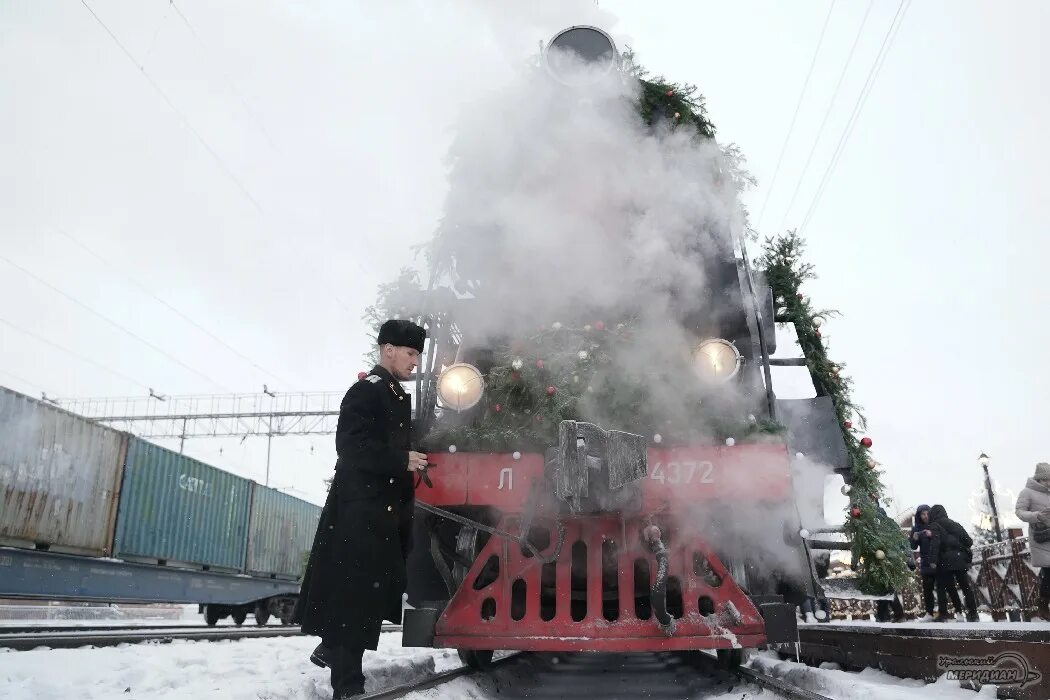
[(578, 55)]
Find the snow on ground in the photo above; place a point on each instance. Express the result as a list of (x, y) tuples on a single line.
[(248, 669), (278, 669), (869, 684)]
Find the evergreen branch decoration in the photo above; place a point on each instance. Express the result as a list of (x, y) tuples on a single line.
[(662, 99), (569, 373), (880, 551)]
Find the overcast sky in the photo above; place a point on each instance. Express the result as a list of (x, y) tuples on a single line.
[(274, 162)]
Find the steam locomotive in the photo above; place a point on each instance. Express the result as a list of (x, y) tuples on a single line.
[(616, 538)]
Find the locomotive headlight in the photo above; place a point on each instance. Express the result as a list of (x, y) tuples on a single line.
[(717, 360), (461, 386)]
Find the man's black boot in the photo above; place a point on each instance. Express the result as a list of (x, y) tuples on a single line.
[(321, 656)]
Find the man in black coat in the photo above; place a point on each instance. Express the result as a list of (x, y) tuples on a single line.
[(356, 575), (950, 559)]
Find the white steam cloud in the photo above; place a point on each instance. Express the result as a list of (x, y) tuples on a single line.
[(564, 206), (566, 198)]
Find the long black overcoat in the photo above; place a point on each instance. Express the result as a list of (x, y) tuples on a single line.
[(950, 543), (356, 574)]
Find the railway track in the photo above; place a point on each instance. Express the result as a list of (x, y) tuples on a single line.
[(518, 675), (57, 629), (532, 676), (72, 637)]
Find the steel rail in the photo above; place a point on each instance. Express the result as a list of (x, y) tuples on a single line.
[(72, 640), (39, 629), (777, 685), (82, 637), (750, 675), (436, 680)]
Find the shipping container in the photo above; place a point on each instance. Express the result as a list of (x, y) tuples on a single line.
[(59, 475), (179, 511), (280, 533)]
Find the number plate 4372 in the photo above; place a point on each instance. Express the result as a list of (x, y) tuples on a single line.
[(685, 472)]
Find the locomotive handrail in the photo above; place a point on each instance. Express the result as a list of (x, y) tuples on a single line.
[(521, 539)]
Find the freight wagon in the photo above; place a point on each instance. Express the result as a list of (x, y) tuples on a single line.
[(91, 513)]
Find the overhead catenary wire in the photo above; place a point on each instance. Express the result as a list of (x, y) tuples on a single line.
[(23, 380), (226, 77), (111, 322), (74, 353), (862, 99), (794, 117), (145, 290), (187, 124), (178, 113), (156, 32), (827, 113)]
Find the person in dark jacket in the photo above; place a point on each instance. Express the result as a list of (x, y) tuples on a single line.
[(920, 540), (950, 558), (356, 574)]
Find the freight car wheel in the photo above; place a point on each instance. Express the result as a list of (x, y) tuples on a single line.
[(479, 660), (730, 658), (262, 615), (239, 617), (211, 615)]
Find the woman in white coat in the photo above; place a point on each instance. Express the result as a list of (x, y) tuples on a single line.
[(1033, 507)]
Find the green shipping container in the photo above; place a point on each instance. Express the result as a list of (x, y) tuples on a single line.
[(280, 534), (179, 510)]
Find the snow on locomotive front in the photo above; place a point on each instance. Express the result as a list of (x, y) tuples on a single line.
[(607, 471)]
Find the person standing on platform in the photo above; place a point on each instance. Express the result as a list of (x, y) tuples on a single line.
[(950, 559), (920, 540), (356, 575), (1033, 507)]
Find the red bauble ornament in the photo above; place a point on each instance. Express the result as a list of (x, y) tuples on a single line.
[(514, 376), (865, 442), (818, 333), (599, 326), (848, 424), (361, 375), (497, 408), (855, 511), (539, 418), (551, 390), (670, 93), (539, 364)]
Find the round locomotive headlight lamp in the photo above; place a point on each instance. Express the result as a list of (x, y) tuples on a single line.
[(717, 361), (461, 386)]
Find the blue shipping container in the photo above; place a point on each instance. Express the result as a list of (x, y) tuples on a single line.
[(177, 509)]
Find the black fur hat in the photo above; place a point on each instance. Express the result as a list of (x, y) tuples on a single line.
[(403, 334)]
